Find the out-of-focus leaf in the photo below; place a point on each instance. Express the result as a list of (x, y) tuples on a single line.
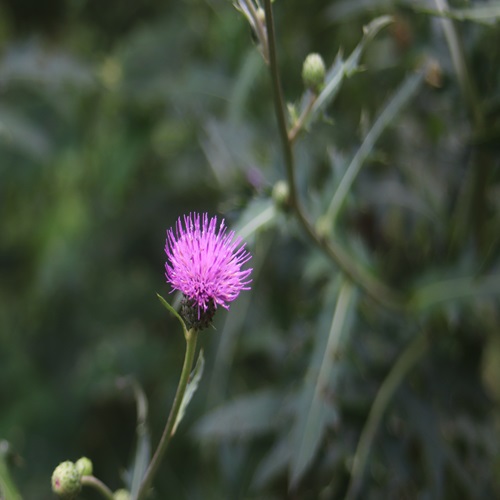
[(245, 417), (342, 69), (404, 93), (33, 64), (427, 426), (192, 385), (260, 214), (274, 463), (455, 289), (23, 135), (8, 490), (347, 9), (134, 475), (242, 89), (314, 411), (229, 149), (484, 13)]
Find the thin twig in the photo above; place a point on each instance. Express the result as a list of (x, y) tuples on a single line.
[(298, 125), (98, 485)]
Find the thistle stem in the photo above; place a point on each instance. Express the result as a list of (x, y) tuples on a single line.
[(299, 124), (98, 485), (378, 290), (191, 338)]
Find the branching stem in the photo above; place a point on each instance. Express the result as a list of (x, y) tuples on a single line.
[(378, 290)]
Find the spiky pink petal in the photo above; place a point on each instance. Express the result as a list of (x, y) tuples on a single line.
[(204, 262)]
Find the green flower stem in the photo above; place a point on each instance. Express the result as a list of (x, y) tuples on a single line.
[(191, 338), (297, 127), (378, 290), (404, 364), (98, 485)]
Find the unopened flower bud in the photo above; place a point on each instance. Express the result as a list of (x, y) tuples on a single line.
[(261, 15), (281, 194), (66, 480), (313, 72), (121, 495), (84, 466)]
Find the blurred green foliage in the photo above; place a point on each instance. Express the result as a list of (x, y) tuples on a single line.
[(116, 118)]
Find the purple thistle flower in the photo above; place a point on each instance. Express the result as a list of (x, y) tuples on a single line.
[(204, 263)]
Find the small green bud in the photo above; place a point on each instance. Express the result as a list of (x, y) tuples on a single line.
[(281, 194), (66, 480), (261, 15), (84, 466), (121, 495), (313, 72)]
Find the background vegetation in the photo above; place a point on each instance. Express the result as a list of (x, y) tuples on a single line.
[(117, 117)]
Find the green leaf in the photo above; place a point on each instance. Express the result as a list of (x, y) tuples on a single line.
[(142, 455), (191, 387), (393, 106), (245, 417), (488, 14), (468, 288), (260, 214), (174, 312), (342, 69), (8, 490), (314, 412), (273, 464)]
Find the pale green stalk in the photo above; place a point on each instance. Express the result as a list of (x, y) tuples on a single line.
[(98, 485), (377, 289), (191, 338)]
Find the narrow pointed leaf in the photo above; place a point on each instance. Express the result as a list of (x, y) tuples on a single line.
[(174, 312), (393, 106), (314, 411), (342, 69), (142, 454), (488, 13)]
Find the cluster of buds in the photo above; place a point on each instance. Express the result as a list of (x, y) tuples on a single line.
[(67, 477)]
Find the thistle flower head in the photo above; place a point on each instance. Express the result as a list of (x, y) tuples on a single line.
[(204, 263)]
